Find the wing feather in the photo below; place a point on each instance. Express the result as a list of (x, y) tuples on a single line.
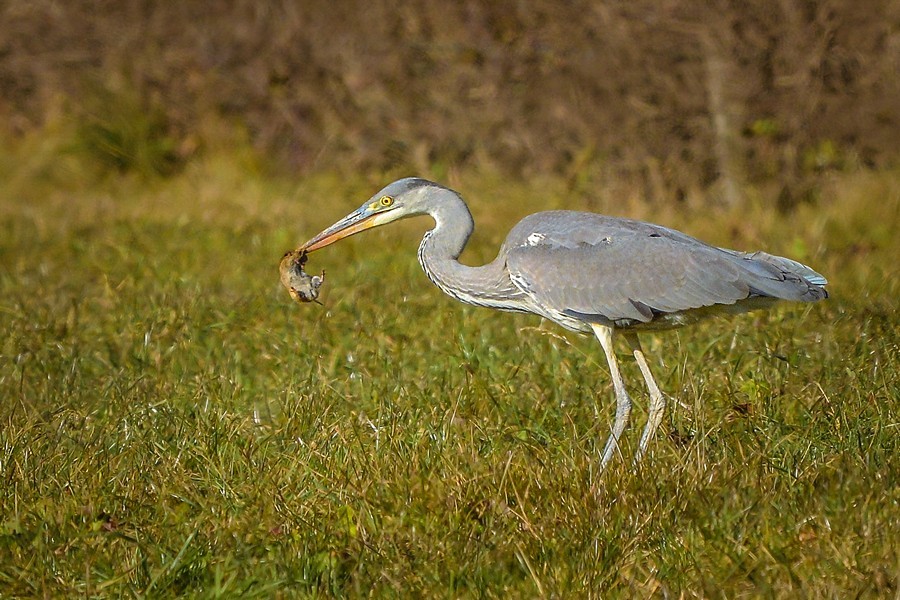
[(622, 270)]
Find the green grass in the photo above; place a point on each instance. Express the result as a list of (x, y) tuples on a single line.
[(171, 424)]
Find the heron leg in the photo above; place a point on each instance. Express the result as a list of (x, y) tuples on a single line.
[(623, 401), (657, 400)]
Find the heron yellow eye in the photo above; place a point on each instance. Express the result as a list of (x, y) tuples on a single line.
[(386, 201)]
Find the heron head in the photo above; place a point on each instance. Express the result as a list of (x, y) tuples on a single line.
[(402, 198)]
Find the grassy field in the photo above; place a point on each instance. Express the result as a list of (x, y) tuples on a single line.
[(171, 424)]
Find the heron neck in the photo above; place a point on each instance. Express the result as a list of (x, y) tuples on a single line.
[(488, 285)]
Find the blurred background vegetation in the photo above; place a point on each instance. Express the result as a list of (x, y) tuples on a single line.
[(672, 100)]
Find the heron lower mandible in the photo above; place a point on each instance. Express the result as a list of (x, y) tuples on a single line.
[(589, 273)]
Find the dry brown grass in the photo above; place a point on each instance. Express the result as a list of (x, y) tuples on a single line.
[(663, 99)]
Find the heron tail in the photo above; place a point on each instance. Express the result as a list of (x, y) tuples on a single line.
[(787, 265), (780, 277)]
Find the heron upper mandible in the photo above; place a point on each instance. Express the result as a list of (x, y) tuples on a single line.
[(589, 273)]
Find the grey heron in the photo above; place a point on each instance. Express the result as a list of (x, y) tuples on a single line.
[(589, 273)]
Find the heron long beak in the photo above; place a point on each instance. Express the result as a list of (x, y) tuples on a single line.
[(359, 220)]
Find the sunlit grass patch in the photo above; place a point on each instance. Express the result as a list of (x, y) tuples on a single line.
[(173, 425)]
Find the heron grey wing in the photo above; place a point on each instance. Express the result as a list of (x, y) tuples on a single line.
[(628, 274)]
